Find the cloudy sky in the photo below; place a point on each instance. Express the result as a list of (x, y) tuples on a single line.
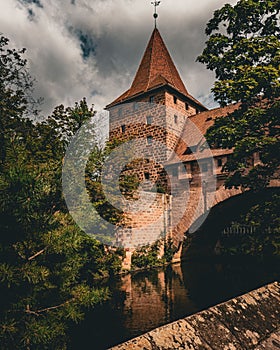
[(92, 48)]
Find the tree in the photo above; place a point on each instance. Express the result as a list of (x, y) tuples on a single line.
[(244, 51), (256, 231), (48, 266)]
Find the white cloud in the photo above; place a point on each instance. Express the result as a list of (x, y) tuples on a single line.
[(117, 32)]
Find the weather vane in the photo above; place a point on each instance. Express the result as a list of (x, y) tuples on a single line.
[(156, 4)]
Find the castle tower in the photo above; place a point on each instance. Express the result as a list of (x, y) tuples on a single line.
[(155, 107), (157, 81)]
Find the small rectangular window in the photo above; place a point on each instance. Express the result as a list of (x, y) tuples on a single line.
[(152, 99), (123, 128), (147, 176), (204, 167), (175, 172), (175, 119), (187, 106), (220, 162), (149, 120), (175, 99), (149, 140)]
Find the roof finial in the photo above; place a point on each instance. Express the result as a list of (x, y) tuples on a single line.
[(156, 4)]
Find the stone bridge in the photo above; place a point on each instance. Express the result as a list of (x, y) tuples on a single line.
[(227, 207)]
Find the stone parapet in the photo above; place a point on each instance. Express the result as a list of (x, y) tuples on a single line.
[(250, 321)]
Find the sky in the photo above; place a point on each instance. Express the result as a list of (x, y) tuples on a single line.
[(92, 48)]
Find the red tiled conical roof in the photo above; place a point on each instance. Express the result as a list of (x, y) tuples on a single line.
[(156, 62), (156, 69)]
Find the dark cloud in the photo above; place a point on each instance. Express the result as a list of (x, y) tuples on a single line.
[(31, 14), (87, 44), (35, 2)]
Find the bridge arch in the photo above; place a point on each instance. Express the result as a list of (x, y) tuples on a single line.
[(202, 242)]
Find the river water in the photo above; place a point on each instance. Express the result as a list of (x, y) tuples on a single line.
[(146, 300)]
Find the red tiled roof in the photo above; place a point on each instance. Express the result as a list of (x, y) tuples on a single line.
[(206, 119), (156, 69), (202, 121)]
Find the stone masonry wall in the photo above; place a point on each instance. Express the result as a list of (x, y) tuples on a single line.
[(168, 114), (144, 226)]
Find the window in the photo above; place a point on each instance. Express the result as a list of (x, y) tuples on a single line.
[(147, 176), (220, 162), (149, 140), (175, 119), (175, 99), (187, 106), (152, 99), (149, 120), (204, 167), (123, 128)]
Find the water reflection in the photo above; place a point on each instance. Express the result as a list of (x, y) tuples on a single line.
[(154, 298), (146, 300)]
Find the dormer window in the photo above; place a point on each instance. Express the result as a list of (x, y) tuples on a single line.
[(123, 128), (191, 149), (187, 106), (175, 100)]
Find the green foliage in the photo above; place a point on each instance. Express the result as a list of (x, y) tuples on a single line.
[(146, 257), (127, 185), (149, 256), (48, 267), (244, 51), (263, 236)]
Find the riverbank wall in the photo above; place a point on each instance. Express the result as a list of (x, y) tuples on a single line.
[(250, 321)]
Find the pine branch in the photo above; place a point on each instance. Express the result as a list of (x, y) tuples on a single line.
[(38, 312), (37, 254)]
